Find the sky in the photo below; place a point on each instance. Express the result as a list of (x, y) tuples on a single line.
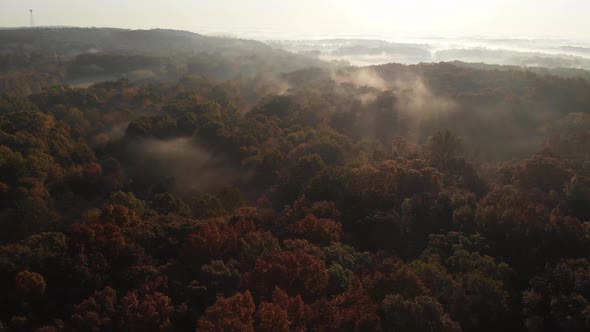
[(565, 19)]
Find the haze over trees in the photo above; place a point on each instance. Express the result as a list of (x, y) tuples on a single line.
[(166, 181)]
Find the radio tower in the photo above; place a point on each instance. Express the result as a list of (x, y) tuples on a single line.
[(32, 20)]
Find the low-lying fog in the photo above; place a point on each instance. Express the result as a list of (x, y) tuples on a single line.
[(517, 52), (363, 50)]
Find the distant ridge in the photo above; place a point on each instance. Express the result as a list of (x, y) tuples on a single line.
[(57, 39)]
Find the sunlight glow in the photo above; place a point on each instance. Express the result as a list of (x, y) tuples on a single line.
[(497, 18)]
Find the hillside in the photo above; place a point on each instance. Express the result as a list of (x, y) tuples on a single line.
[(33, 59), (68, 41)]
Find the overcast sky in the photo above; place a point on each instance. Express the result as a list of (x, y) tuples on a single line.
[(402, 18)]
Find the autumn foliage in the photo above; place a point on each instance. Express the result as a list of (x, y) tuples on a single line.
[(204, 199)]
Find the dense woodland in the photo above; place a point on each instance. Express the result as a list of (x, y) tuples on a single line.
[(250, 189)]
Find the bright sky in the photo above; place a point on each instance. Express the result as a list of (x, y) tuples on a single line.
[(403, 18)]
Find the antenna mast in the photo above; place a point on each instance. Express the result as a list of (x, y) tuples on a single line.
[(32, 20)]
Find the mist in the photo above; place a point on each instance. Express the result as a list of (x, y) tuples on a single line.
[(180, 165), (549, 53), (415, 101)]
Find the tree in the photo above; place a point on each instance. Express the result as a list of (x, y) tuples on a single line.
[(577, 191), (544, 173), (168, 204), (422, 313), (283, 313), (105, 310), (559, 298), (352, 310), (473, 287), (30, 285), (296, 272), (217, 240), (128, 200), (393, 276), (444, 145), (316, 230), (233, 314), (271, 317)]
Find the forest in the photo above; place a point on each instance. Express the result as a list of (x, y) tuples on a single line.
[(166, 181)]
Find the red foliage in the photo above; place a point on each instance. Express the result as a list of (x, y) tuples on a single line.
[(29, 285), (136, 311), (119, 215), (217, 240), (350, 311), (97, 250), (284, 313), (270, 317), (97, 312), (149, 312), (296, 272), (91, 170), (230, 314), (316, 230), (106, 239)]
